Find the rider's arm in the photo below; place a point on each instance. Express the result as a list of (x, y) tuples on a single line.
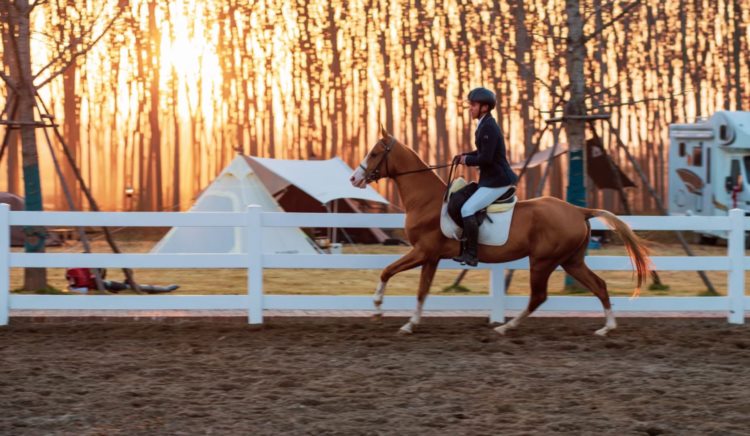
[(489, 139)]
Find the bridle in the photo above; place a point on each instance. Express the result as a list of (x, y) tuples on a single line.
[(374, 174)]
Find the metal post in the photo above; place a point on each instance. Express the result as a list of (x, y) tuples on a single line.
[(736, 279), (497, 293), (4, 263), (254, 244)]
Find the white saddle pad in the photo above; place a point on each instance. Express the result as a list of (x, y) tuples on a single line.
[(493, 231)]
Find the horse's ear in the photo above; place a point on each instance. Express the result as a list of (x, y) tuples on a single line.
[(384, 132)]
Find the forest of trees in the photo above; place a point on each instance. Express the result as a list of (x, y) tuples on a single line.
[(173, 89)]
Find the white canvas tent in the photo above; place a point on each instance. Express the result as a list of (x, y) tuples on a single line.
[(320, 186), (324, 180), (232, 191)]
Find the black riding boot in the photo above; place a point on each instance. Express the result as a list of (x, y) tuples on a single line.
[(469, 243), (461, 250)]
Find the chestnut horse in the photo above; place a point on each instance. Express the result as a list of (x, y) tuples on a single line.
[(549, 231)]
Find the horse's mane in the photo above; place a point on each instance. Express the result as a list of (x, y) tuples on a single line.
[(421, 162)]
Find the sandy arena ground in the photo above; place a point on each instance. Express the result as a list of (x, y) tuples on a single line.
[(352, 376)]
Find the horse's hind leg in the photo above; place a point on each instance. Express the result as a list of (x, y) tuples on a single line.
[(578, 269), (540, 273)]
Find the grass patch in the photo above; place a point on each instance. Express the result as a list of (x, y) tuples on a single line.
[(363, 282), (658, 287), (49, 290), (456, 288)]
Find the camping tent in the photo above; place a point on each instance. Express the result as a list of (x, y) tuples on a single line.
[(318, 186), (232, 191)]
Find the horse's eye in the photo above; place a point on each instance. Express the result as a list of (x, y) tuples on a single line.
[(373, 154)]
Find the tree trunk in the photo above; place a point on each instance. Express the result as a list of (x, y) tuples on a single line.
[(34, 278), (523, 46), (414, 109), (71, 129), (575, 128), (154, 164), (739, 30), (386, 82), (11, 66), (685, 62)]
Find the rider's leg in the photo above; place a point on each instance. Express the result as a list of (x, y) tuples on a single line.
[(470, 241), (478, 201)]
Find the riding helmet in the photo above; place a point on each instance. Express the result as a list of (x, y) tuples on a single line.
[(483, 96)]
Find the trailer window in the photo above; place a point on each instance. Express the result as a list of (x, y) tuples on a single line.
[(735, 171), (698, 156), (682, 149), (746, 160)]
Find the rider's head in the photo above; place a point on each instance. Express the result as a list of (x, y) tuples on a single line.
[(481, 101)]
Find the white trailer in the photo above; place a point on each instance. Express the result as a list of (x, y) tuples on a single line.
[(709, 164)]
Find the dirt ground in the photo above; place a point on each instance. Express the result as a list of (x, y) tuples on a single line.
[(353, 376)]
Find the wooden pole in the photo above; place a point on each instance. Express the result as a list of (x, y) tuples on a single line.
[(69, 198), (92, 202)]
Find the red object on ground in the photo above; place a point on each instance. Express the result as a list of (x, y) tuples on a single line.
[(80, 278)]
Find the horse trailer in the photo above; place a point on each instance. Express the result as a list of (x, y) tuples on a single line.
[(709, 167)]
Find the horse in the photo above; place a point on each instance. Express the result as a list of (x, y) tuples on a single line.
[(547, 230)]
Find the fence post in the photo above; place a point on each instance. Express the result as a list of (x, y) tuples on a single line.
[(497, 293), (4, 263), (736, 252), (254, 244)]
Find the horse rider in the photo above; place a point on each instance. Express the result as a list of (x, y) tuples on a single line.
[(495, 173)]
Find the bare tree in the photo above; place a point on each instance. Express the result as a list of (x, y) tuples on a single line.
[(25, 84)]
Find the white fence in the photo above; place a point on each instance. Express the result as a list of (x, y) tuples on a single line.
[(255, 301)]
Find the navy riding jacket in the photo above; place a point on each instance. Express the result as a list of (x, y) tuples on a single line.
[(494, 169)]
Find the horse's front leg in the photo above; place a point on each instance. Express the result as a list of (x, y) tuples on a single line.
[(410, 260), (425, 281)]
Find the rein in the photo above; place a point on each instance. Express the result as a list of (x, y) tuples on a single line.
[(374, 175), (429, 168)]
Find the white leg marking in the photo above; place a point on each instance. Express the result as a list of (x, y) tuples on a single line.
[(414, 320), (512, 323), (377, 298), (611, 323)]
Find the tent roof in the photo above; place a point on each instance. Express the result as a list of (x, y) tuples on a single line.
[(541, 157), (324, 180)]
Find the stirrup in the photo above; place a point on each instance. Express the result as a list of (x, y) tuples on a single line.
[(465, 259), (461, 252)]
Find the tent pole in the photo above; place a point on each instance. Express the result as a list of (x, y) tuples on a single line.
[(335, 229), (329, 230)]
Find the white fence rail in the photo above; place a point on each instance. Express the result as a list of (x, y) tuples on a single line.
[(255, 261)]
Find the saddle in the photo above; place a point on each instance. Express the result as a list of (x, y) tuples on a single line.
[(459, 192)]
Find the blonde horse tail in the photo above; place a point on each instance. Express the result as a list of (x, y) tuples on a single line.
[(636, 247)]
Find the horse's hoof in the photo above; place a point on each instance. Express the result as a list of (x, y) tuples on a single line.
[(377, 317), (403, 331), (501, 330), (602, 332)]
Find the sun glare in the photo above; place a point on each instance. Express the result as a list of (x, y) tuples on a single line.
[(187, 53)]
